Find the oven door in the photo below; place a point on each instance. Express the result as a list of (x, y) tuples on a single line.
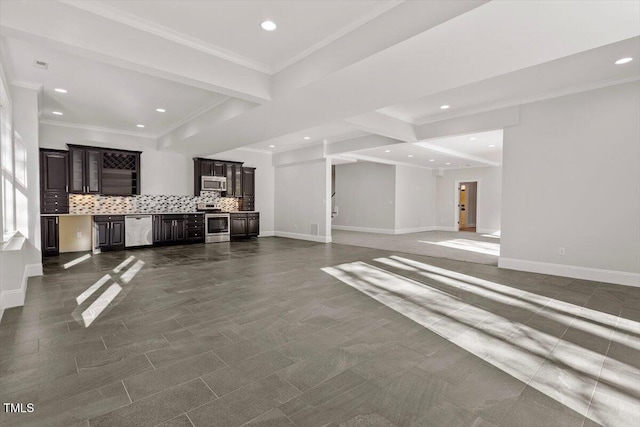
[(217, 228)]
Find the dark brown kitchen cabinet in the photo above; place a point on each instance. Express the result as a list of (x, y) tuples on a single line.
[(157, 229), (248, 189), (195, 227), (178, 229), (120, 172), (173, 229), (244, 225), (85, 170), (234, 179), (109, 232), (54, 181), (50, 235)]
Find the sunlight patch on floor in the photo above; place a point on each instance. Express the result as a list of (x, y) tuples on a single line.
[(76, 261), (487, 248), (561, 369)]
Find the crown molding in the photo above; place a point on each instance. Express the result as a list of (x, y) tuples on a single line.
[(379, 10), (125, 18), (193, 115), (524, 101), (94, 128), (27, 85)]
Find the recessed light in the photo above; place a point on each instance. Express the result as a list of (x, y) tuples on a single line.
[(140, 126), (623, 61), (268, 25), (473, 138), (161, 110), (410, 155), (60, 90), (447, 163), (57, 113), (445, 107), (432, 160), (492, 145), (272, 146), (387, 151), (307, 137)]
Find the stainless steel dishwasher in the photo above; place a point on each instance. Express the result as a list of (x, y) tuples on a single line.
[(138, 230)]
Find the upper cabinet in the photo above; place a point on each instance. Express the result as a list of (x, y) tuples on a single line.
[(85, 170), (104, 171), (234, 179), (248, 189), (54, 181)]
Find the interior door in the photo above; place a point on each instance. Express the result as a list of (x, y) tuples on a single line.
[(463, 206)]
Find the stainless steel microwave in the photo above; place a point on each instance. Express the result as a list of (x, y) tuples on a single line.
[(213, 183)]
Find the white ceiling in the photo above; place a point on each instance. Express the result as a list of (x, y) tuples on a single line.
[(461, 151), (102, 95), (353, 68), (233, 27)]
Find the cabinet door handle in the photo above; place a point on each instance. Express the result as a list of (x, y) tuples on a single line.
[(56, 220)]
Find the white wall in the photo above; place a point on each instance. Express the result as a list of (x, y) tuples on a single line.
[(489, 196), (571, 174), (365, 197), (415, 200), (163, 172), (20, 259), (302, 194), (265, 192)]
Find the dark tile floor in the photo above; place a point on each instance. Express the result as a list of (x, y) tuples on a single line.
[(279, 332)]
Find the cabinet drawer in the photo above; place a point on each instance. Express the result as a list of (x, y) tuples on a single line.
[(55, 196), (55, 209), (198, 217), (106, 218), (253, 215), (195, 226), (195, 234), (50, 203), (172, 216)]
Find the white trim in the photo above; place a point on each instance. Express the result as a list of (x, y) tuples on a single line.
[(33, 270), (26, 85), (252, 150), (384, 7), (267, 234), (321, 239), (364, 229), (384, 161), (193, 115), (445, 228), (487, 231), (442, 150), (574, 271), (414, 230), (94, 128), (519, 102), (167, 33)]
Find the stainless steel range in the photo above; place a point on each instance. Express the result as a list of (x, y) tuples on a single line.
[(216, 224)]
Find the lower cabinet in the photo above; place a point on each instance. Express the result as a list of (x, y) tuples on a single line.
[(245, 225), (175, 229), (50, 236), (109, 232)]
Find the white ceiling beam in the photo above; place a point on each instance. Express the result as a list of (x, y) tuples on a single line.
[(360, 143), (77, 31), (437, 149), (481, 122), (483, 43), (381, 124)]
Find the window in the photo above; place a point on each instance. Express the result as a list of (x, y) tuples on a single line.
[(7, 162)]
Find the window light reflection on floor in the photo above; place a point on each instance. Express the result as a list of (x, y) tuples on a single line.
[(488, 248), (76, 261), (558, 368)]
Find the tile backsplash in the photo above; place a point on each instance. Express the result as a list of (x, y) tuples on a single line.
[(93, 204)]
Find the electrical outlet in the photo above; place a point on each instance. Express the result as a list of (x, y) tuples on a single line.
[(561, 251), (79, 235)]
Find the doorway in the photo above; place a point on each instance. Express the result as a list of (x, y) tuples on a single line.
[(467, 195)]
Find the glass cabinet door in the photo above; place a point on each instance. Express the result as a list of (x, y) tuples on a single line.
[(77, 171), (93, 171)]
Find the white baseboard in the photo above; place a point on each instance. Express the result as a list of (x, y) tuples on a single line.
[(576, 272), (487, 231), (442, 228), (414, 230), (32, 270), (321, 239), (363, 229), (15, 297), (267, 234)]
